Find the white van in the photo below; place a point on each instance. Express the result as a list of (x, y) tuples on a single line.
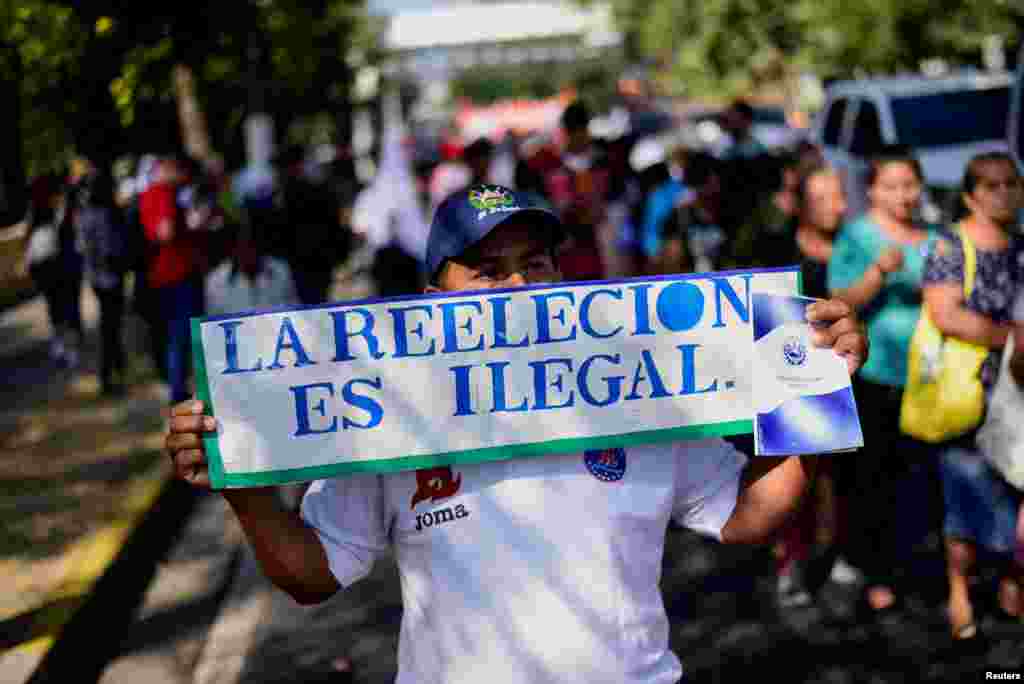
[(1015, 130), (944, 121)]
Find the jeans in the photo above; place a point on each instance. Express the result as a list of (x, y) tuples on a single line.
[(981, 507), (178, 303)]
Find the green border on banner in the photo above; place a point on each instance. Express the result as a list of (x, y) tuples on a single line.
[(557, 446), (220, 479), (214, 460)]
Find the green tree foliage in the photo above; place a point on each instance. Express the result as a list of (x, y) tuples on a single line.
[(592, 81), (723, 47), (485, 85), (96, 75), (40, 39)]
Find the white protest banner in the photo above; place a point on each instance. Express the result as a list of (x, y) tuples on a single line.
[(437, 379)]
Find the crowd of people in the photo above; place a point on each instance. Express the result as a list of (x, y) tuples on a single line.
[(178, 239), (648, 208), (641, 207), (196, 243), (875, 509)]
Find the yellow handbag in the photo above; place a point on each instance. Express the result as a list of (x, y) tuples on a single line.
[(943, 397)]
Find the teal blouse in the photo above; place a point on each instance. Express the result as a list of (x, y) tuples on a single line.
[(892, 315)]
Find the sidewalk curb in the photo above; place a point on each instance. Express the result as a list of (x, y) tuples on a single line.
[(88, 559), (87, 639), (170, 626)]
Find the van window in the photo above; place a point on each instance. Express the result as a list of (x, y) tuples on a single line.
[(867, 131), (1018, 112), (834, 122), (1019, 152), (952, 118), (770, 115)]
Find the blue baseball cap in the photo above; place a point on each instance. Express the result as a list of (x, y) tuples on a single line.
[(466, 217)]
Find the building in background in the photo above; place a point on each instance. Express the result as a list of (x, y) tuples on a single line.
[(433, 43), (432, 46)]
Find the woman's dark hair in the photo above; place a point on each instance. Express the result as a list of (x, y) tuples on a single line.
[(893, 154), (98, 191), (653, 176), (700, 168), (576, 116), (805, 181), (478, 149), (972, 174), (773, 169), (743, 108)]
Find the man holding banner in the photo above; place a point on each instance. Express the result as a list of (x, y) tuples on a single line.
[(542, 569)]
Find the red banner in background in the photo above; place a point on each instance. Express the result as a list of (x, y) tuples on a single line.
[(520, 116)]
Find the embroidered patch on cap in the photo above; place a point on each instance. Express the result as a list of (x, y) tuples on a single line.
[(607, 465), (491, 199)]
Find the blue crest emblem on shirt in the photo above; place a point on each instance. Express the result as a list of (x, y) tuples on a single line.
[(607, 465), (794, 351)]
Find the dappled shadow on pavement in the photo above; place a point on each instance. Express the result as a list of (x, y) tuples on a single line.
[(361, 623), (724, 626), (725, 636), (69, 457), (169, 626), (32, 624), (80, 654), (184, 605)]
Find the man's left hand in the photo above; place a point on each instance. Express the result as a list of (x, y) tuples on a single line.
[(836, 326)]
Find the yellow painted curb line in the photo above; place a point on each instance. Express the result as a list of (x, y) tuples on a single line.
[(88, 559)]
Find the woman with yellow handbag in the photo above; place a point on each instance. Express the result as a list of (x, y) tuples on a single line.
[(971, 279), (876, 266)]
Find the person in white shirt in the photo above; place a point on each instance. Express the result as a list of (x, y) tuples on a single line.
[(542, 569), (249, 280)]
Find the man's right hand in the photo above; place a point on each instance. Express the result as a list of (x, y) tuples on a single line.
[(289, 551), (184, 442)]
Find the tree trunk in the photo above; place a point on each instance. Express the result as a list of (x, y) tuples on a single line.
[(194, 134)]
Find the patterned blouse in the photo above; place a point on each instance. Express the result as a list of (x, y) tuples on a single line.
[(999, 277)]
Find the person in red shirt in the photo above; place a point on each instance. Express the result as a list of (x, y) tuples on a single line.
[(174, 271)]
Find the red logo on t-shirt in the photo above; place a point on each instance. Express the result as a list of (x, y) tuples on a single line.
[(435, 484)]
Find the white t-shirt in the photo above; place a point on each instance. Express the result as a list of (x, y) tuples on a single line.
[(534, 570), (230, 291)]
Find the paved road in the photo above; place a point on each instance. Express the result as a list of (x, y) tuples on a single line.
[(723, 624), (147, 617)]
